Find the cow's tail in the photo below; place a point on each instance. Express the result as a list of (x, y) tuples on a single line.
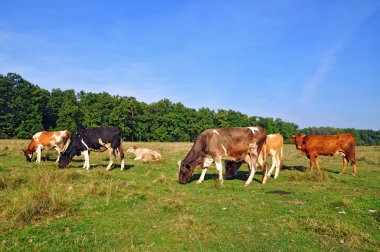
[(262, 156), (281, 156), (68, 140)]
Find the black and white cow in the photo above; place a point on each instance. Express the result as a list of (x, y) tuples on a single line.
[(86, 140), (215, 145)]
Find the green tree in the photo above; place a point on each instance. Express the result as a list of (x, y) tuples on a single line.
[(70, 115)]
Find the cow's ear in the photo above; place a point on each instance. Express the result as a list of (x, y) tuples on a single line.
[(292, 139)]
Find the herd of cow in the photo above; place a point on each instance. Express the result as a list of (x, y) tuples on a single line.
[(234, 145)]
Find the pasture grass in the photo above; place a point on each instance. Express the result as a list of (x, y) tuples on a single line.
[(144, 208)]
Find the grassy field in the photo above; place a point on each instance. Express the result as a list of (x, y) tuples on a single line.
[(144, 208)]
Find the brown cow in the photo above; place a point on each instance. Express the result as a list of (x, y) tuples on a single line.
[(273, 147), (327, 145), (46, 140), (215, 145)]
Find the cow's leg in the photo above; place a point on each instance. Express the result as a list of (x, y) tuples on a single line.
[(353, 163), (274, 165), (317, 164), (121, 156), (312, 157), (265, 175), (112, 158), (252, 166), (219, 168), (345, 163), (202, 177), (278, 165), (86, 159), (38, 151)]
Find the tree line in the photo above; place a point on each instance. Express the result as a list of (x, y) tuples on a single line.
[(26, 109)]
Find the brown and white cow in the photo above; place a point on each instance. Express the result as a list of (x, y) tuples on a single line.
[(46, 140), (215, 145), (327, 145), (144, 154), (273, 147)]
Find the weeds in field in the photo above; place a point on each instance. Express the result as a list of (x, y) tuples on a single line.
[(41, 198)]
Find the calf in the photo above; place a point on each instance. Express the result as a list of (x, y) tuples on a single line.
[(144, 154), (326, 145), (86, 140), (215, 145), (46, 140), (273, 147)]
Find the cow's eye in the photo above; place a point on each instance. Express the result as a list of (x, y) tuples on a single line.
[(303, 142)]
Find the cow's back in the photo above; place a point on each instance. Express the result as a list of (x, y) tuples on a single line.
[(234, 141), (329, 144), (274, 142)]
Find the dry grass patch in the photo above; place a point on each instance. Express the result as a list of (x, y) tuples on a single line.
[(45, 197)]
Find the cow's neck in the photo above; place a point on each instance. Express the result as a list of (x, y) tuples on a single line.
[(193, 157)]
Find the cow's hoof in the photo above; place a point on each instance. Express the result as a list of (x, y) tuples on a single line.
[(340, 173), (199, 182), (353, 174)]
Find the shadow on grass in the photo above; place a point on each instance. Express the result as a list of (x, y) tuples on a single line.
[(93, 166), (294, 168), (332, 171), (241, 175)]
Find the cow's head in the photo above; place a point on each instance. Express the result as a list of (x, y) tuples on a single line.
[(132, 149), (73, 149), (298, 139), (28, 154), (232, 169), (185, 172)]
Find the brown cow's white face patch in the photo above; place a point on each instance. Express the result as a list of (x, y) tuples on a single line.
[(253, 129)]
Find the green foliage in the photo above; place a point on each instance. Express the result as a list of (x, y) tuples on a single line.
[(26, 108)]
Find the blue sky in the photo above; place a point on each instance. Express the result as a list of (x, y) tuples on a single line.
[(314, 63)]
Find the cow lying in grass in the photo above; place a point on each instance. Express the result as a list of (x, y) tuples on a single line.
[(46, 140), (144, 154), (214, 145)]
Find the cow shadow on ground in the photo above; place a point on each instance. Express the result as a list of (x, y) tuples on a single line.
[(294, 168), (195, 177), (332, 171), (243, 176), (74, 164)]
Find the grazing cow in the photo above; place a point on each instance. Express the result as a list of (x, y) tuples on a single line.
[(273, 147), (215, 145), (86, 140), (144, 154), (327, 145), (46, 140)]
